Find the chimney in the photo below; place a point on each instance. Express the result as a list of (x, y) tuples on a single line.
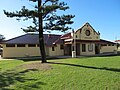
[(98, 32)]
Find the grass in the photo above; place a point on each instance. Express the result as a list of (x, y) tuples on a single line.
[(93, 73)]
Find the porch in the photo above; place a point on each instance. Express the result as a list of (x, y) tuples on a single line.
[(81, 49)]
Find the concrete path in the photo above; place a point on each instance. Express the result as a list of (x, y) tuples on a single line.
[(62, 57)]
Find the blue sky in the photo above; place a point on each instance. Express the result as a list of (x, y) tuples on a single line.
[(103, 15)]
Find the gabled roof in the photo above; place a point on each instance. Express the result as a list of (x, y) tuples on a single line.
[(90, 26), (49, 39), (68, 35)]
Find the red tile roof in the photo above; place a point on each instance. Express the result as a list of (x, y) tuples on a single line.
[(66, 36), (117, 41)]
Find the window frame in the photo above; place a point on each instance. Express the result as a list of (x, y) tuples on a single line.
[(87, 32), (61, 46), (90, 47), (83, 47), (53, 48), (31, 45), (21, 45), (10, 45)]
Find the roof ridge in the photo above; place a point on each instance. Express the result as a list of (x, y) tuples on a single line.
[(84, 25)]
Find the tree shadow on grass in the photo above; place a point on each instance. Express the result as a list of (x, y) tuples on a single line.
[(91, 67), (27, 59), (10, 77)]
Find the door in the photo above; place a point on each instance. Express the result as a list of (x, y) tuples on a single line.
[(97, 48), (67, 50), (78, 49)]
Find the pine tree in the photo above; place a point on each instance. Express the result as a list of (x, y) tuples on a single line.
[(1, 38), (44, 18)]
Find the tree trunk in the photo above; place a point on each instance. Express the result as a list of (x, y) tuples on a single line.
[(41, 38)]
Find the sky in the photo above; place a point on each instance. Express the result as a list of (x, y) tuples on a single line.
[(103, 16)]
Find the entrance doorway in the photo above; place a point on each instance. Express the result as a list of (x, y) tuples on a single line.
[(97, 48), (78, 49), (68, 50)]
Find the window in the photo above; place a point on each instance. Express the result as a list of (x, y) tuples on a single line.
[(76, 36), (113, 44), (38, 45), (103, 44), (53, 49), (31, 45), (87, 32), (90, 47), (20, 45), (10, 45), (83, 47), (62, 46)]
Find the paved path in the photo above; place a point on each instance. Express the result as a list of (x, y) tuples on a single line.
[(62, 57)]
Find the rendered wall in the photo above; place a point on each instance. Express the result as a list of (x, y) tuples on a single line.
[(105, 49), (57, 51), (87, 50), (21, 51), (81, 34)]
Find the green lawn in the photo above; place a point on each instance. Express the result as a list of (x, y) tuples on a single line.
[(88, 73)]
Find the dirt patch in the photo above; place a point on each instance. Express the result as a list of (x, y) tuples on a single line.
[(35, 65)]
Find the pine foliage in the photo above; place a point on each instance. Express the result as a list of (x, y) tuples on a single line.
[(48, 9)]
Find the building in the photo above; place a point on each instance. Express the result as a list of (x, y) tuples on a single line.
[(28, 45), (1, 50), (118, 44), (85, 41)]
